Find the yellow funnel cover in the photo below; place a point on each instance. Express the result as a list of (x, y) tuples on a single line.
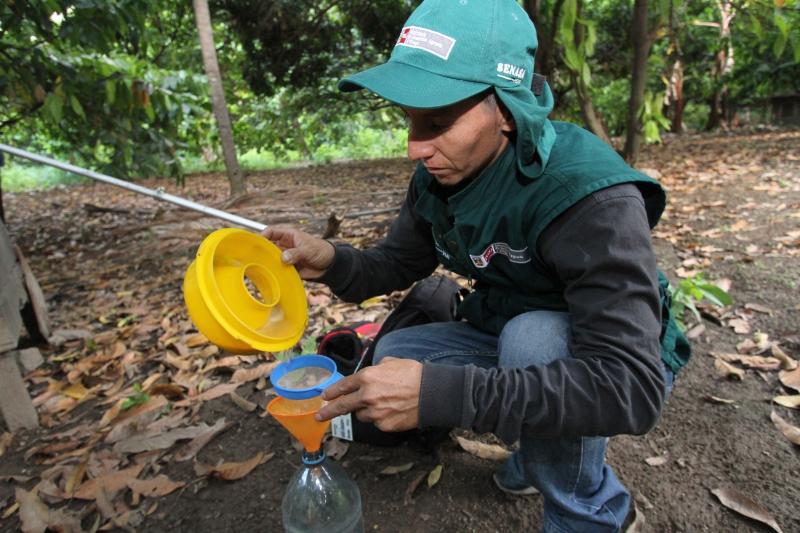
[(242, 297), (297, 416)]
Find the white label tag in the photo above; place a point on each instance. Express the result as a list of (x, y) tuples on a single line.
[(342, 427)]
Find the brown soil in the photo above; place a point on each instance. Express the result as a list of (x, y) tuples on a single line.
[(734, 213)]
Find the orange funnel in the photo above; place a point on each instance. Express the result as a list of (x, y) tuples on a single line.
[(297, 416)]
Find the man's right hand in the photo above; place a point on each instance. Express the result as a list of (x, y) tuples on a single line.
[(311, 255)]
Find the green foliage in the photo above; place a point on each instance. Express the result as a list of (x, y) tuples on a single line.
[(692, 290), (83, 75), (138, 397), (577, 51), (652, 117)]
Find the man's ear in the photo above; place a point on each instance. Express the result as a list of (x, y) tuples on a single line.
[(505, 118)]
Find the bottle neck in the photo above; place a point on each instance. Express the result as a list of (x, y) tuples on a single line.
[(313, 458)]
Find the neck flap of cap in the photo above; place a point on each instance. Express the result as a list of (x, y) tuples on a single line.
[(535, 133)]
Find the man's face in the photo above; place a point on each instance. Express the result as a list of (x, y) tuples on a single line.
[(459, 141)]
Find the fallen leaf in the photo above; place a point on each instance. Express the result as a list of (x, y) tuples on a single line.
[(156, 487), (728, 371), (791, 378), (191, 448), (244, 375), (15, 478), (111, 483), (196, 340), (793, 401), (76, 391), (637, 526), (787, 363), (172, 391), (736, 501), (789, 431), (75, 477), (224, 362), (750, 361), (8, 513), (392, 470), (242, 403), (5, 442), (210, 394), (234, 471), (483, 450), (715, 399), (434, 475), (415, 482), (160, 441), (695, 331), (759, 308), (657, 461), (335, 448), (739, 325), (36, 517)]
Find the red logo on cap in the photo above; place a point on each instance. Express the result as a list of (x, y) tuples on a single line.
[(403, 35)]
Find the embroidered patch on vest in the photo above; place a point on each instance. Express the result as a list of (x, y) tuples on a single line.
[(431, 41), (515, 256)]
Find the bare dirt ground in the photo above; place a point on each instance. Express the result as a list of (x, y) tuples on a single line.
[(111, 263)]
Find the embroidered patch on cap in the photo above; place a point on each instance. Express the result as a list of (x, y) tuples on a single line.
[(501, 248), (431, 41)]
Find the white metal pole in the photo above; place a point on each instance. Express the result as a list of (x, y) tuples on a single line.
[(154, 193)]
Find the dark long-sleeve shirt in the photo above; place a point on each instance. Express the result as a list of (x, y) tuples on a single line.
[(600, 250)]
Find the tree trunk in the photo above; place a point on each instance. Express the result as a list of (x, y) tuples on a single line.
[(590, 116), (675, 100), (675, 94), (722, 67), (546, 34), (641, 50), (235, 177)]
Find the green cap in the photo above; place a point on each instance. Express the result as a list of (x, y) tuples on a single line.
[(449, 50)]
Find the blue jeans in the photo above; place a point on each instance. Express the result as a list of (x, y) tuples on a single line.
[(581, 492)]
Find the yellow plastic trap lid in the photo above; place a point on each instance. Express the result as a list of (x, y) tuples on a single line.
[(242, 297)]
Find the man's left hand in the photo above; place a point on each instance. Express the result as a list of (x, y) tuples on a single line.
[(386, 394)]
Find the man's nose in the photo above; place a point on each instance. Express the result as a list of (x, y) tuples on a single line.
[(419, 148)]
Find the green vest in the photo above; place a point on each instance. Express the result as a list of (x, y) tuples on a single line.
[(504, 212)]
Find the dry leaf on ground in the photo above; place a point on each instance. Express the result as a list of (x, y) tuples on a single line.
[(234, 471), (739, 325), (750, 361), (435, 475), (735, 500), (244, 375), (483, 450), (242, 403), (210, 394), (335, 448), (716, 399), (637, 526), (36, 517), (392, 470), (728, 371), (787, 363), (657, 461), (789, 431), (791, 378), (190, 449), (158, 486), (148, 441), (111, 483), (792, 402), (416, 482), (5, 442)]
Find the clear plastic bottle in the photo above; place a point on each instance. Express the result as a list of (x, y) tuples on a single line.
[(321, 497)]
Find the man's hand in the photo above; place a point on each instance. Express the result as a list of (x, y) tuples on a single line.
[(310, 255), (386, 395)]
